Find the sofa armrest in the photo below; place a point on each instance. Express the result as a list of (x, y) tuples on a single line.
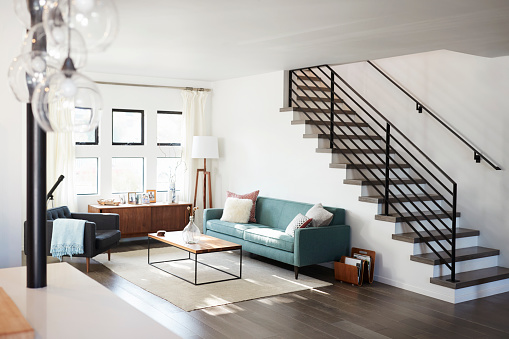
[(315, 245), (209, 214), (103, 221)]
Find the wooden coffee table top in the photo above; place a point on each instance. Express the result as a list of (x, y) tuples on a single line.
[(207, 243)]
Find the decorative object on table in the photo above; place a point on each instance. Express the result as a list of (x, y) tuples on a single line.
[(172, 193), (253, 196), (122, 199), (161, 233), (109, 202), (131, 198), (151, 195), (204, 147), (237, 210), (191, 233), (145, 198)]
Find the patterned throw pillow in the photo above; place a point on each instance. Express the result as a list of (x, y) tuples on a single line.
[(300, 221), (252, 196), (321, 217)]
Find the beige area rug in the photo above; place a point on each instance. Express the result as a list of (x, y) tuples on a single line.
[(259, 279)]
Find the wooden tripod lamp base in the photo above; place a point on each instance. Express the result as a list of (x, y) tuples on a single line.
[(204, 147)]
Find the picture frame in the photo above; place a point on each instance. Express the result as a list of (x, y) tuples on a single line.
[(145, 198), (139, 198), (131, 198), (151, 195)]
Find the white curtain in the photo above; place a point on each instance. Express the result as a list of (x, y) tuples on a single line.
[(60, 161), (193, 114)]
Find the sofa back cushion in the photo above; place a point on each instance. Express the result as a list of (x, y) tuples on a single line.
[(58, 213), (279, 213)]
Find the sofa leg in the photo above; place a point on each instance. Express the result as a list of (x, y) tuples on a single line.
[(296, 270), (88, 264), (109, 255)]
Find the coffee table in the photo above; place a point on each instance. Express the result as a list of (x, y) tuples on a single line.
[(207, 244)]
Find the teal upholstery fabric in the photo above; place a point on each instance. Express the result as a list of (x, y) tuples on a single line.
[(270, 237), (267, 238), (235, 230)]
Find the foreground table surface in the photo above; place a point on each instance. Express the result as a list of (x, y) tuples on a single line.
[(206, 244), (76, 306)]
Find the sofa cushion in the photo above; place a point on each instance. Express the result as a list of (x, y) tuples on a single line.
[(270, 237), (300, 221), (232, 229), (106, 238), (320, 216), (237, 210), (252, 196)]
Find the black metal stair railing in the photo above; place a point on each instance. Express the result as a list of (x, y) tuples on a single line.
[(383, 170)]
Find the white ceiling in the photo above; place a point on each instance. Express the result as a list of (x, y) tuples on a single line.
[(220, 39)]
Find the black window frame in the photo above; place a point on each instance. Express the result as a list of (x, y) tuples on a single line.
[(169, 143), (96, 176), (142, 127), (96, 142), (142, 174)]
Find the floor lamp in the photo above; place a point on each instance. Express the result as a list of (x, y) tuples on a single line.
[(204, 147)]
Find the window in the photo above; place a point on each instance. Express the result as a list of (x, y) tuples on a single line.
[(86, 176), (127, 127), (169, 126), (127, 175), (83, 115), (165, 166)]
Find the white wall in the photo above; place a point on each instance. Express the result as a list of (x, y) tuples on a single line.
[(260, 149), (470, 93), (130, 97), (12, 139)]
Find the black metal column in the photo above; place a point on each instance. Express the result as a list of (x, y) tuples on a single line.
[(387, 166), (36, 203), (36, 183)]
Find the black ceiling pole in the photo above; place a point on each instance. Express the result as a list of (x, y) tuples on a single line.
[(36, 182)]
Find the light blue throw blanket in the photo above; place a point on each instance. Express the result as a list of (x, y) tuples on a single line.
[(67, 237)]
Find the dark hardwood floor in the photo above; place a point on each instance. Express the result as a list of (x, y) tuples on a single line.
[(336, 311)]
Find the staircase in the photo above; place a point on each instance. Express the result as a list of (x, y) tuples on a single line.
[(409, 189)]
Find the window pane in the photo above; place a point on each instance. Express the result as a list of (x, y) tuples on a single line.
[(85, 178), (127, 127), (82, 116), (127, 175), (169, 128), (166, 166)]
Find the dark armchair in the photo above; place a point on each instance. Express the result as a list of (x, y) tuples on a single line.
[(101, 231)]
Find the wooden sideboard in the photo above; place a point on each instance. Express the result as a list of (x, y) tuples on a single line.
[(139, 220)]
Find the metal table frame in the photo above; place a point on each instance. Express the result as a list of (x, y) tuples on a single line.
[(196, 262)]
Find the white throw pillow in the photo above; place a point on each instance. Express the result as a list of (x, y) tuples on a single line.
[(237, 210), (321, 217), (299, 221)]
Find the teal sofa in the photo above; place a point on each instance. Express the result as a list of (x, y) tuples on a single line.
[(267, 237)]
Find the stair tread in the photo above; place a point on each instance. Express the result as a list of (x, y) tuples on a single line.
[(394, 217), (308, 77), (381, 181), (473, 278), (412, 237), (316, 110), (343, 136), (337, 150), (376, 199), (314, 98), (361, 166), (313, 88), (319, 122), (462, 254)]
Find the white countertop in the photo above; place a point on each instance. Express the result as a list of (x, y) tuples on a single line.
[(76, 306)]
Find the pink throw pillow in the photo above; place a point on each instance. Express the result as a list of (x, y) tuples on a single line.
[(252, 196)]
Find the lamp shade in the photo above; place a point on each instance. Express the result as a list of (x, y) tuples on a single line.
[(205, 147)]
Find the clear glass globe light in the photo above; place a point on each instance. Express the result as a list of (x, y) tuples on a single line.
[(23, 13), (95, 20), (67, 103)]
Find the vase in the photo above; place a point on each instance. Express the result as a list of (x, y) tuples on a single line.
[(172, 195), (191, 233)]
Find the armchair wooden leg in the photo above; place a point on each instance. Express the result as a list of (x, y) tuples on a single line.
[(88, 264), (296, 270), (109, 255)]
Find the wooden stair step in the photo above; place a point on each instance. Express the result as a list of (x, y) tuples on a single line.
[(351, 151), (366, 166), (394, 217), (462, 254), (315, 110), (313, 88), (375, 182), (380, 200), (308, 77), (342, 136), (473, 278), (337, 123), (319, 99), (412, 237)]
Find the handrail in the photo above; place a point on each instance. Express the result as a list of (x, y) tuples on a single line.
[(419, 106)]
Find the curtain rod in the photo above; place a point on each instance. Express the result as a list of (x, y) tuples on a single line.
[(153, 86)]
